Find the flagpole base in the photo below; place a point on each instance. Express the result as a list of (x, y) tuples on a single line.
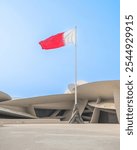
[(76, 118)]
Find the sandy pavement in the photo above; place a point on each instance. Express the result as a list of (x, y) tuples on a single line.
[(59, 137)]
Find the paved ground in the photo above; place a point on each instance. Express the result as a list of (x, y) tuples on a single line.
[(59, 137)]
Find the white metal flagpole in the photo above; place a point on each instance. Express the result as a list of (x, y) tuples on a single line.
[(76, 101), (76, 117)]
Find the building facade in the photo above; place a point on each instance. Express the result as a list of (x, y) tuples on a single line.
[(98, 102)]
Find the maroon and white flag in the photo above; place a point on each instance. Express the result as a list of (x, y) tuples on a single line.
[(59, 40)]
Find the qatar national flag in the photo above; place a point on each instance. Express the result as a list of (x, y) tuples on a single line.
[(59, 40)]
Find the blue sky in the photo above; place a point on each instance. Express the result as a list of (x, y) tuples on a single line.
[(26, 70)]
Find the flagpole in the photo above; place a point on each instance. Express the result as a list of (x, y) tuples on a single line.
[(76, 117), (76, 101)]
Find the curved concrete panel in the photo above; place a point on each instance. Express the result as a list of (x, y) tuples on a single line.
[(4, 96), (103, 89), (40, 100)]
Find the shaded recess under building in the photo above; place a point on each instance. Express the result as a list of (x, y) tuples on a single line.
[(98, 102)]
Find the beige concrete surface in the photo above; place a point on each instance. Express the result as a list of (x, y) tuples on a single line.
[(32, 121), (60, 137)]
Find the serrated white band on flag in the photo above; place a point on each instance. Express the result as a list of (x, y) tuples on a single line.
[(70, 37), (59, 40)]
